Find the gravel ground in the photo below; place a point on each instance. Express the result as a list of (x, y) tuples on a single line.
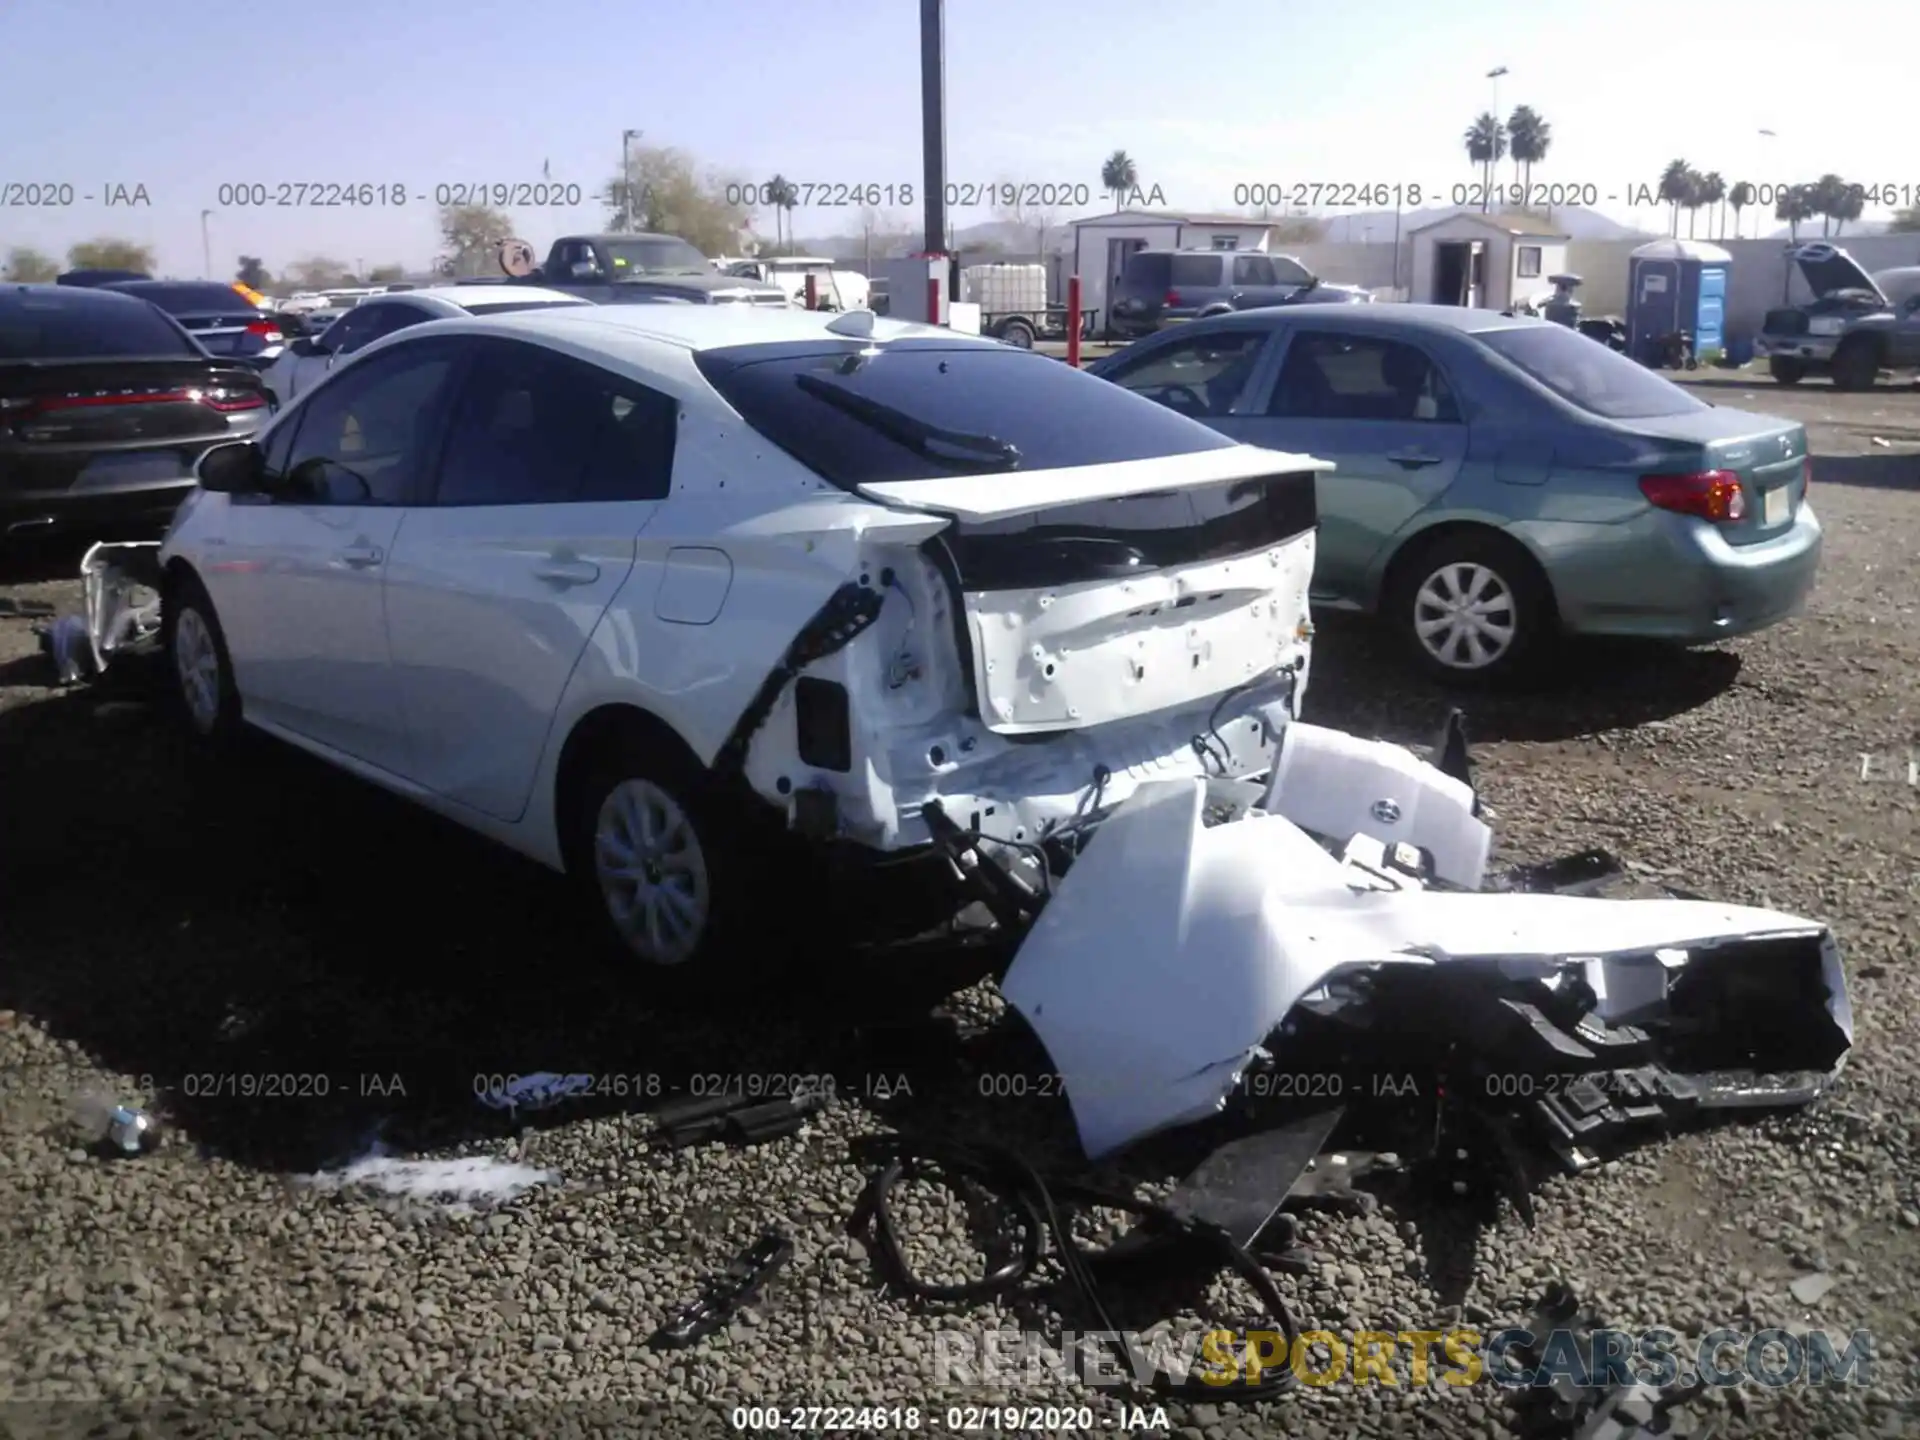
[(168, 934)]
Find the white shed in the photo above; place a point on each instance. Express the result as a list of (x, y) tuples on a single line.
[(1484, 261), (1101, 243)]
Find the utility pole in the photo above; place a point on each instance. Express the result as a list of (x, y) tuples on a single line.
[(206, 247), (933, 120), (627, 137), (1493, 140)]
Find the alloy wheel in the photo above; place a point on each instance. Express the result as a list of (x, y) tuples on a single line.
[(1465, 616), (652, 872), (196, 660)]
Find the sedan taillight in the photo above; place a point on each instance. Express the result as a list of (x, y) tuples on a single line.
[(266, 330), (1715, 495)]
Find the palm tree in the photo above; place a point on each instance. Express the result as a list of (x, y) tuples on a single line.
[(774, 193), (1674, 190), (1530, 137), (1835, 202), (1795, 206), (1847, 206), (1712, 191), (1741, 196), (1486, 142), (1118, 176)]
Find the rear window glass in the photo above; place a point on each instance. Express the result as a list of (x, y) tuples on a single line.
[(1586, 373), (193, 299), (63, 327), (981, 401), (1197, 269)]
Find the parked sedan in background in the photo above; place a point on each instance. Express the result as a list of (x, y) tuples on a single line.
[(223, 320), (306, 361), (106, 405), (1498, 479)]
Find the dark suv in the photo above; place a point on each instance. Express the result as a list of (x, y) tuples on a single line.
[(1161, 287)]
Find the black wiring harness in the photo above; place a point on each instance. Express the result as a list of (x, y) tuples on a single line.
[(1037, 1208)]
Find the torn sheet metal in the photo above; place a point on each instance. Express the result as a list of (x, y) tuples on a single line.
[(121, 585), (1172, 950)]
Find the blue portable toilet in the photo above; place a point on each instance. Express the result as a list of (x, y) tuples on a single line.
[(1675, 285)]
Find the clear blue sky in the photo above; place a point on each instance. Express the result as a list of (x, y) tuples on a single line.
[(1207, 95)]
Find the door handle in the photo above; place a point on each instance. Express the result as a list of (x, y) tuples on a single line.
[(567, 572), (1412, 459), (362, 557)]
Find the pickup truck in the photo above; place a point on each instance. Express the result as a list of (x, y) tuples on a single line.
[(619, 269)]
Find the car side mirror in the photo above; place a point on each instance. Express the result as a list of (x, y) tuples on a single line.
[(232, 469)]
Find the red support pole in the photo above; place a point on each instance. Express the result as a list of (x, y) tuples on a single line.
[(1073, 320), (813, 291), (933, 299)]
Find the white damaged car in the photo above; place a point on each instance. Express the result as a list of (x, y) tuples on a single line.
[(600, 582), (666, 597)]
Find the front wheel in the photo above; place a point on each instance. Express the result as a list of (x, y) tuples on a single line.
[(203, 688), (1017, 333), (1471, 607), (1856, 366)]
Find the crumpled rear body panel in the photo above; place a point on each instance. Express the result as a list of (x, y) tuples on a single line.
[(1172, 950)]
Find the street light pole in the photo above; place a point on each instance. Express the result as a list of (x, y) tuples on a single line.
[(627, 137), (933, 121), (206, 247), (1493, 140)]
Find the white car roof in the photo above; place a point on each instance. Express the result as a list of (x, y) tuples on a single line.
[(636, 331), (477, 299)]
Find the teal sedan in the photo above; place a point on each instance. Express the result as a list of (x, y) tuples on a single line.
[(1501, 480)]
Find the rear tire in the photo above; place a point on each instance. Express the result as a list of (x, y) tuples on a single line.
[(203, 691), (662, 853), (1786, 372), (1471, 607), (1017, 333), (1856, 366)]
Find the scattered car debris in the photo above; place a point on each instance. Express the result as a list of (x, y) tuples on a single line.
[(25, 609), (132, 1132), (538, 1091), (1341, 925), (734, 1116), (1568, 1409), (113, 1128), (727, 1294), (459, 1180), (122, 609)]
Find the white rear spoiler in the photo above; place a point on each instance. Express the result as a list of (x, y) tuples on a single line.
[(999, 494)]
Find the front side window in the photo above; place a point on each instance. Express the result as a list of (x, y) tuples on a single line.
[(363, 435), (1252, 270), (1328, 376), (1197, 374), (533, 427)]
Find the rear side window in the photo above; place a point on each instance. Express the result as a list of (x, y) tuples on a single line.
[(531, 427), (1587, 374), (1198, 270), (915, 412), (78, 324)]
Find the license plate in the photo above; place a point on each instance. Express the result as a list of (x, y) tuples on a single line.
[(1778, 503), (132, 472)]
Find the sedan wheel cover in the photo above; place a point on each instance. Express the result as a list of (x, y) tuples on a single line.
[(652, 872), (1465, 616), (197, 662)]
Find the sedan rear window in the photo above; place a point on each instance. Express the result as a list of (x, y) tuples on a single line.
[(83, 324), (1586, 373), (919, 411), (507, 307)]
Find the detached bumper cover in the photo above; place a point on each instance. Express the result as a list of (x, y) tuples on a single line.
[(1174, 954)]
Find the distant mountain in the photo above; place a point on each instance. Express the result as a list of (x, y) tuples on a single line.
[(1812, 232), (992, 234), (1574, 221)]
